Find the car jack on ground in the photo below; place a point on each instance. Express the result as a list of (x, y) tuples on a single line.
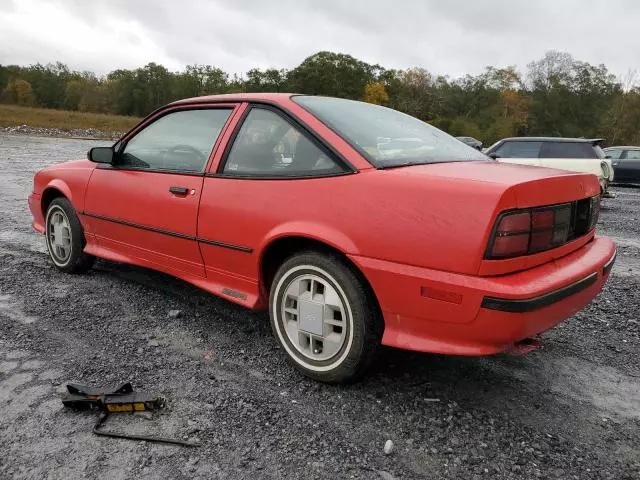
[(121, 399)]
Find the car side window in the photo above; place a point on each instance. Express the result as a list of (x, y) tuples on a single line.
[(179, 141), (268, 145), (515, 149), (567, 150), (633, 154)]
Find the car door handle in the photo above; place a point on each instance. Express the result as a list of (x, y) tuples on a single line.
[(179, 190)]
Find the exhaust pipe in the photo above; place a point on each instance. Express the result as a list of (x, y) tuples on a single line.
[(524, 346)]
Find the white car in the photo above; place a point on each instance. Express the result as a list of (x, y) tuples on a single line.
[(574, 154)]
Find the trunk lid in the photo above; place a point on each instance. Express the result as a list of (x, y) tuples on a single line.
[(529, 186), (475, 194)]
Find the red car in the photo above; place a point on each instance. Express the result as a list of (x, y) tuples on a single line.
[(354, 224)]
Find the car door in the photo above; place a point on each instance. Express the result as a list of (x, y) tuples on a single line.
[(268, 161), (629, 167), (143, 209), (614, 155)]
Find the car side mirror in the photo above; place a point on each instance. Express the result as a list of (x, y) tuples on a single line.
[(101, 155), (493, 155)]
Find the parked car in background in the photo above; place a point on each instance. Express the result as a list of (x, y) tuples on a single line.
[(626, 163), (472, 142), (574, 154), (427, 246)]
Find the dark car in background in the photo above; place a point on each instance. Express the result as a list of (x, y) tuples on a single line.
[(472, 142), (626, 163)]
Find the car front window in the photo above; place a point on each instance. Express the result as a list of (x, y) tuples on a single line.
[(177, 141), (386, 137)]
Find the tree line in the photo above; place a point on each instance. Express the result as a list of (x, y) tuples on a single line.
[(556, 95)]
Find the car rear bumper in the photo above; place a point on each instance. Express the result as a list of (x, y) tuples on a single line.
[(434, 311), (35, 204)]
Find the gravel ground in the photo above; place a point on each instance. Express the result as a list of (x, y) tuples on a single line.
[(82, 133), (569, 410)]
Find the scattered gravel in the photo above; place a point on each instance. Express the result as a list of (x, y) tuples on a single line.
[(570, 410)]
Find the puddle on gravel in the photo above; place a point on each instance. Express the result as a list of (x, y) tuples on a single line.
[(13, 310), (32, 241), (603, 387)]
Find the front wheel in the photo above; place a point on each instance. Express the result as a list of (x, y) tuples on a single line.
[(325, 317), (65, 238)]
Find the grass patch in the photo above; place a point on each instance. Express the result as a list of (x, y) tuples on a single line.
[(11, 116)]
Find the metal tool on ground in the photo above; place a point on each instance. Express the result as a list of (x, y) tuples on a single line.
[(121, 399)]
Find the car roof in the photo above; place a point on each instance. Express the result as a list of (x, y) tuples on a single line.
[(236, 97), (625, 147), (554, 139)]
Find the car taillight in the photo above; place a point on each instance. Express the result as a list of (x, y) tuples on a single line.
[(512, 235), (533, 230)]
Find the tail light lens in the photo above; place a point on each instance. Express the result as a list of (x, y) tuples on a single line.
[(527, 231)]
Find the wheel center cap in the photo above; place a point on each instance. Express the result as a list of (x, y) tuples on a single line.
[(310, 316), (57, 232)]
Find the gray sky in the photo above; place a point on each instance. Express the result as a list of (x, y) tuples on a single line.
[(451, 37)]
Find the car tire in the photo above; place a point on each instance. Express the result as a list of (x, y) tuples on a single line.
[(325, 317), (65, 238)]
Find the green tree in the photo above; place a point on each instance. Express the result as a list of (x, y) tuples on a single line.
[(333, 74), (74, 92), (414, 91)]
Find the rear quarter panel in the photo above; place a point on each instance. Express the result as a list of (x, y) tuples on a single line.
[(417, 221)]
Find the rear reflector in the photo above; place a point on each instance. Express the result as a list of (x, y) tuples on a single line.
[(527, 231), (445, 296)]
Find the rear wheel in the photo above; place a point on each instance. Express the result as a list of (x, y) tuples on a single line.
[(65, 238), (324, 317)]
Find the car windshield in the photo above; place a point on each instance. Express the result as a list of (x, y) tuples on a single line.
[(386, 137)]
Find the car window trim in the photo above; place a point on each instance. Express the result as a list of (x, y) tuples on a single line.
[(163, 112), (306, 131)]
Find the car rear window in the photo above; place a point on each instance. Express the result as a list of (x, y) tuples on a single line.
[(518, 149), (386, 137), (570, 150)]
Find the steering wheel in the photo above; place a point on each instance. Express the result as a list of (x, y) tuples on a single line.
[(188, 148)]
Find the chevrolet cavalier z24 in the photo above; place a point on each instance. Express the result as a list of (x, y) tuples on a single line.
[(292, 203)]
